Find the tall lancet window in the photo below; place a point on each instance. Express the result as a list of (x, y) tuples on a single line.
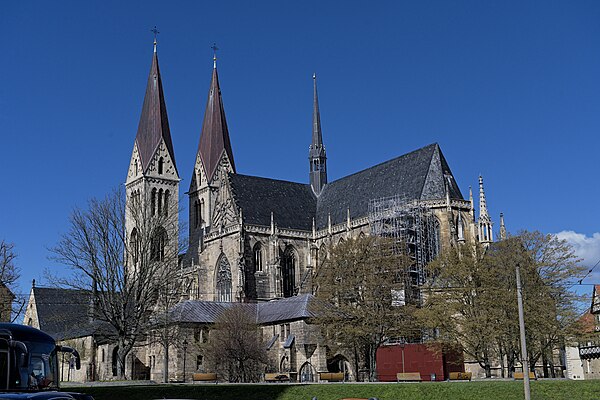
[(288, 272), (134, 246), (153, 201), (160, 201), (166, 203), (160, 165), (258, 258), (460, 228), (223, 279), (159, 242)]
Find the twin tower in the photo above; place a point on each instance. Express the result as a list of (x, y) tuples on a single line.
[(153, 178)]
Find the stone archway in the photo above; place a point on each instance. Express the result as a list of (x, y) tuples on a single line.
[(308, 373)]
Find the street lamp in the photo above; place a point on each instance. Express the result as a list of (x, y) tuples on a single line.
[(402, 344), (185, 344)]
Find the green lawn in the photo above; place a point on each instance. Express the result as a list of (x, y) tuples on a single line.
[(540, 390)]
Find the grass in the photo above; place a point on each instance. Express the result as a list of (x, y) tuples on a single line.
[(505, 390)]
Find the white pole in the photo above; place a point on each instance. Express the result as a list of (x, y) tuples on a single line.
[(524, 360)]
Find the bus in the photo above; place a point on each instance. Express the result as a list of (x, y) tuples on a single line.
[(29, 365)]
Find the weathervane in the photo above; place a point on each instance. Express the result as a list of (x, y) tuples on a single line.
[(156, 32), (215, 48)]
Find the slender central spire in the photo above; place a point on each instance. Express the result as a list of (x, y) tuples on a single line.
[(316, 153)]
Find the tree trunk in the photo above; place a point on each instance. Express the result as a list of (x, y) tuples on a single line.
[(372, 363), (166, 361)]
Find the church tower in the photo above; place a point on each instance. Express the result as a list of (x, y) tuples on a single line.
[(152, 184), (214, 160), (485, 222), (316, 153)]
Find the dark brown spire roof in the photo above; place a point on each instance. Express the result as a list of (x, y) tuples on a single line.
[(214, 139), (154, 123), (316, 147)]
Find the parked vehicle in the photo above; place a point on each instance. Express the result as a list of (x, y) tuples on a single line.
[(29, 365)]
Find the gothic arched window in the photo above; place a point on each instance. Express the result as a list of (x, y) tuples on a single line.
[(460, 227), (223, 279), (166, 203), (159, 242), (202, 212), (153, 201), (135, 246), (258, 258), (160, 166), (288, 272), (160, 201)]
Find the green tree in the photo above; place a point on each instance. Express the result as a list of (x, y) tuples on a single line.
[(471, 298), (364, 279)]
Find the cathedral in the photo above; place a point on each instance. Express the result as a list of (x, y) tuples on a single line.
[(258, 241)]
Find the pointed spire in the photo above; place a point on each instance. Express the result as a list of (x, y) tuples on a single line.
[(485, 222), (483, 212), (502, 227), (317, 136), (316, 153), (154, 123), (214, 139)]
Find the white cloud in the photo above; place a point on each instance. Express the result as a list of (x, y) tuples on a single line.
[(586, 247)]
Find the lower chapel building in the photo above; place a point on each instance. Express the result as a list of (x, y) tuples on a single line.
[(258, 241)]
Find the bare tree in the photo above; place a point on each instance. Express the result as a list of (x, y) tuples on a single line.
[(235, 348), (9, 274), (126, 254)]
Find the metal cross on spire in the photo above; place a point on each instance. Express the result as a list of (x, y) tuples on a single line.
[(215, 48), (156, 32)]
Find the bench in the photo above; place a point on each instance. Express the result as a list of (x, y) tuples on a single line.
[(460, 376), (204, 377), (408, 377), (277, 377), (331, 376), (519, 375)]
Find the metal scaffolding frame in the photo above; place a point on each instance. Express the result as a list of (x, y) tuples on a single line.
[(416, 231)]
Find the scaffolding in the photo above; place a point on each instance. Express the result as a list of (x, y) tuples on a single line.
[(416, 233)]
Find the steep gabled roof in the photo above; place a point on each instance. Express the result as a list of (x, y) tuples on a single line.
[(422, 174), (419, 175), (214, 138), (154, 123), (63, 313), (293, 204)]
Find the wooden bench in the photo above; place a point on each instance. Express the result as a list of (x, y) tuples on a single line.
[(331, 376), (519, 375), (204, 377), (277, 377), (408, 377), (460, 376)]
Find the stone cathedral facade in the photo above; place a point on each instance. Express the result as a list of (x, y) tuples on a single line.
[(258, 241), (254, 239)]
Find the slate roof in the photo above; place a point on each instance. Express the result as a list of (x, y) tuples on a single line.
[(276, 311), (154, 123), (63, 313), (293, 204), (214, 138), (422, 174)]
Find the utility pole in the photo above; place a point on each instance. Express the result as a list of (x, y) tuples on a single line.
[(524, 360)]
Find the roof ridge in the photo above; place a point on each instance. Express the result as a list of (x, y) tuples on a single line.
[(383, 163), (270, 179)]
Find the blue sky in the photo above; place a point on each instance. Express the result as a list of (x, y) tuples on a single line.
[(509, 90)]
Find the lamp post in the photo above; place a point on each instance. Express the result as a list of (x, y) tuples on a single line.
[(185, 343), (402, 344)]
